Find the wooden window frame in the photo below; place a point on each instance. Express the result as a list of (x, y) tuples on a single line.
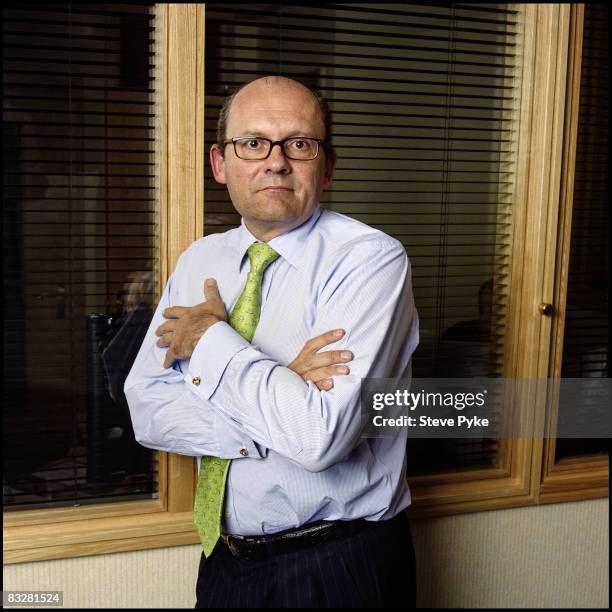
[(36, 535), (587, 476), (527, 474)]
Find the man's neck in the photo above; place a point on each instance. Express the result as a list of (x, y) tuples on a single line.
[(265, 233)]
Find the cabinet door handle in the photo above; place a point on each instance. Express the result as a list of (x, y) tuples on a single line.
[(546, 309)]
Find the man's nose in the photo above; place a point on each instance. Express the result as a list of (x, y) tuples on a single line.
[(277, 160)]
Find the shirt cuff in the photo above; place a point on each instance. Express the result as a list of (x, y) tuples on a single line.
[(214, 350), (232, 443)]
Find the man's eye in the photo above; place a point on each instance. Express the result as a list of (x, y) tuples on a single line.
[(252, 143), (300, 145)]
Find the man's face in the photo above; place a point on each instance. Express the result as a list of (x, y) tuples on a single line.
[(276, 194)]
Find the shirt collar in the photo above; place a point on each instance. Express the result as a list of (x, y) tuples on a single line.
[(290, 245)]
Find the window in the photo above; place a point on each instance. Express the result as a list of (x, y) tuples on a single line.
[(432, 109), (424, 103), (578, 468), (586, 341), (81, 261), (525, 259), (126, 228)]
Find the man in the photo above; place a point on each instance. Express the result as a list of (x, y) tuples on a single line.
[(307, 513)]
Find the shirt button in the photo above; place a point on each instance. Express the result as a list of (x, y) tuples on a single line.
[(196, 381), (244, 452)]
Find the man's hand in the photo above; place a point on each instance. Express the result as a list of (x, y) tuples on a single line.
[(187, 324), (319, 367)]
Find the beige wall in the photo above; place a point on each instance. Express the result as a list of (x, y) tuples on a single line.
[(553, 555)]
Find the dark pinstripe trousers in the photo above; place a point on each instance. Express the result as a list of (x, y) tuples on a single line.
[(374, 568)]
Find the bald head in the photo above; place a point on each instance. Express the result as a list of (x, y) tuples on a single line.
[(272, 85), (266, 90)]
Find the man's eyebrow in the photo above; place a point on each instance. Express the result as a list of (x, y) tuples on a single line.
[(258, 134), (253, 133)]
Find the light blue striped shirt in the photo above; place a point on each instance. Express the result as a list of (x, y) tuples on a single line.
[(298, 455)]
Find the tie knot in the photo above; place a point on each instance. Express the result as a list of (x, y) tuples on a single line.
[(261, 256)]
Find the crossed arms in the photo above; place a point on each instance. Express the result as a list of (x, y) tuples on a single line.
[(248, 399)]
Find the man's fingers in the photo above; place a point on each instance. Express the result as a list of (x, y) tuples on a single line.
[(165, 328), (164, 341), (169, 360), (318, 342), (327, 358), (325, 385), (321, 374), (307, 363), (174, 312), (308, 359), (211, 291)]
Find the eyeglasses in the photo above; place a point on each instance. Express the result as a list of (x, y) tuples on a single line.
[(260, 148)]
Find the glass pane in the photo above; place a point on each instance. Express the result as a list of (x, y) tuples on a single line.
[(586, 341), (80, 249), (424, 102)]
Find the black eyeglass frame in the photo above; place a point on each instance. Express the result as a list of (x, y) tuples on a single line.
[(280, 143)]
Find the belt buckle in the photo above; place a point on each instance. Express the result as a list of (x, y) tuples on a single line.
[(227, 540), (242, 551)]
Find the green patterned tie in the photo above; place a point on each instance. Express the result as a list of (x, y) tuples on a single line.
[(213, 470)]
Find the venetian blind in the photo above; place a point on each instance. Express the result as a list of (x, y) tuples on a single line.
[(80, 257), (586, 340), (424, 101)]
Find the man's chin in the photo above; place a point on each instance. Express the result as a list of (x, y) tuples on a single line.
[(272, 197), (276, 205)]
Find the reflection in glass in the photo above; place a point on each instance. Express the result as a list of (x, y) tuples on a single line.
[(79, 250)]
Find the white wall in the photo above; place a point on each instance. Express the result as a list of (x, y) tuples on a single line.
[(555, 555)]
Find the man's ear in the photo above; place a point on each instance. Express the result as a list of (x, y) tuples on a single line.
[(217, 163), (330, 166)]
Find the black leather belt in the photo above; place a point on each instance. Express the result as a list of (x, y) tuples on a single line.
[(259, 547)]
